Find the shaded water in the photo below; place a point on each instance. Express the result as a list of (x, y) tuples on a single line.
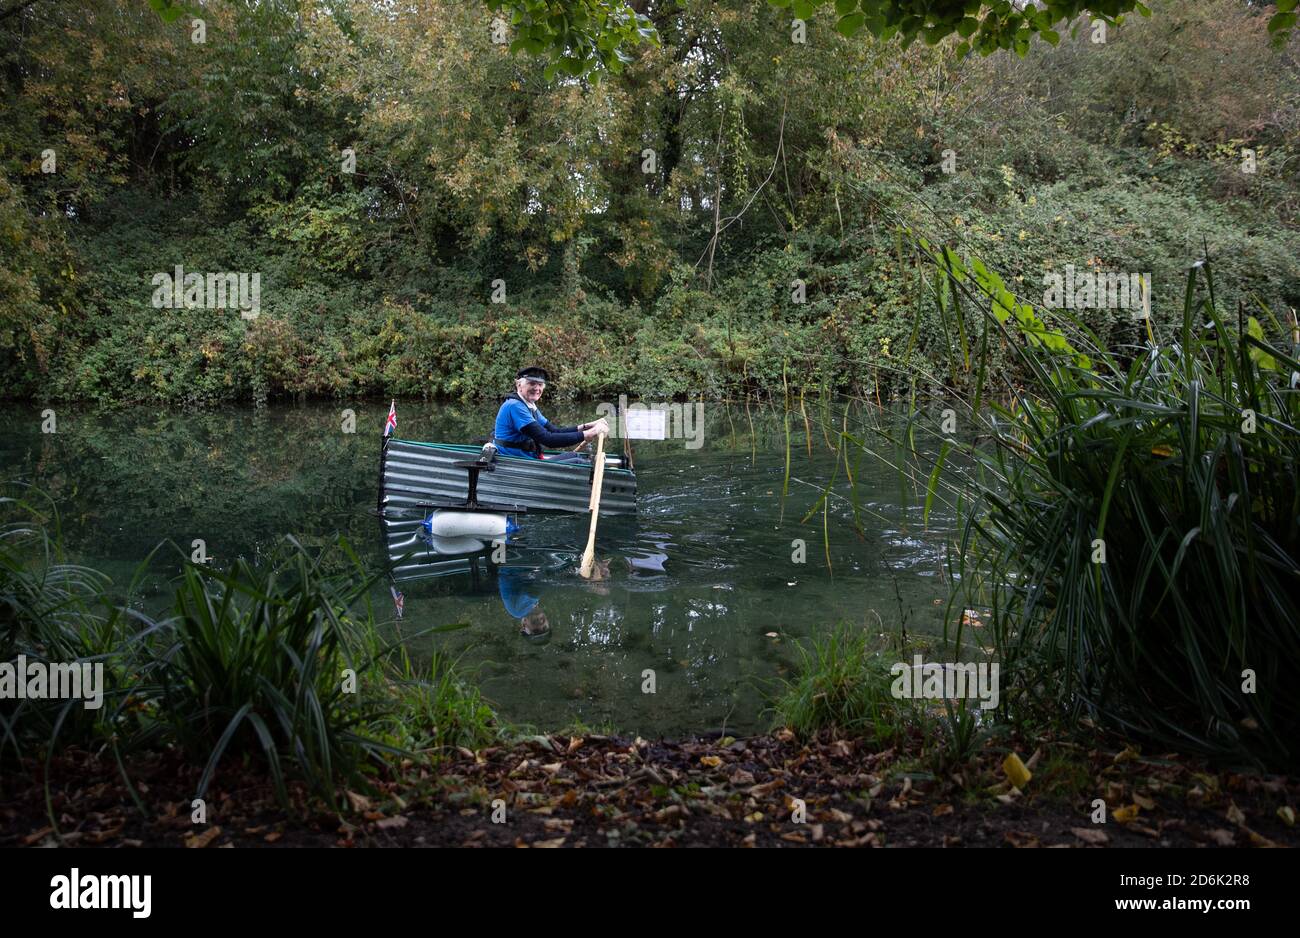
[(698, 580)]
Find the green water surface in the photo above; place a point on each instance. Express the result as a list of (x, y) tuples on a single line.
[(704, 588)]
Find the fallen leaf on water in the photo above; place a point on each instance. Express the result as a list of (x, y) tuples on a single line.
[(359, 802), (1287, 814), (1222, 837), (1143, 802), (1088, 835), (550, 844), (392, 823), (1235, 816), (941, 810), (272, 837), (711, 762)]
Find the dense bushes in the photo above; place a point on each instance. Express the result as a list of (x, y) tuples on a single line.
[(377, 276)]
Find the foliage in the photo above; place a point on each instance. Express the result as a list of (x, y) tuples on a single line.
[(472, 168), (271, 662), (1135, 525)]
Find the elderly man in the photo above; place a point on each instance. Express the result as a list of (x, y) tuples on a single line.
[(522, 430)]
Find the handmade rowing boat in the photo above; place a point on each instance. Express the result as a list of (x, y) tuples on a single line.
[(412, 474), (446, 499)]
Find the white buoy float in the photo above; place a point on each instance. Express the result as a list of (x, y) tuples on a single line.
[(464, 532), (478, 524)]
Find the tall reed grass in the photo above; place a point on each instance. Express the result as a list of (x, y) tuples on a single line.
[(1132, 516)]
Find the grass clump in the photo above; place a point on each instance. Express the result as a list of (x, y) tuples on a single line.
[(841, 686)]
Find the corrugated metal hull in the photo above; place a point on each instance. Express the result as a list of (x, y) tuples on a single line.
[(422, 472), (411, 557)]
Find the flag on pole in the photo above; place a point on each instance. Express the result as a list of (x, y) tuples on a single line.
[(391, 424), (399, 601)]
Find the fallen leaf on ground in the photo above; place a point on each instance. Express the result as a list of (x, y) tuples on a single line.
[(1125, 815), (1015, 770), (34, 836), (198, 841)]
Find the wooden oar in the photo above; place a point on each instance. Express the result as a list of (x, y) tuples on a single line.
[(597, 482)]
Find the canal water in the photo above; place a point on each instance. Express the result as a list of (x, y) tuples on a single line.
[(731, 561)]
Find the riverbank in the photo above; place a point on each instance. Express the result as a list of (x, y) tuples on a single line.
[(596, 791)]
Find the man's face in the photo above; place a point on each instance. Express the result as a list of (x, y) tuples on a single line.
[(531, 391)]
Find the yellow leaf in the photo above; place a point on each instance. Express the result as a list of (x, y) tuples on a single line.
[(1162, 450), (1015, 771), (711, 761), (1126, 814)]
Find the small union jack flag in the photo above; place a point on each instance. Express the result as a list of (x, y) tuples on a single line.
[(399, 601), (391, 424)]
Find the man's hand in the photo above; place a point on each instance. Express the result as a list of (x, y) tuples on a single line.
[(592, 430)]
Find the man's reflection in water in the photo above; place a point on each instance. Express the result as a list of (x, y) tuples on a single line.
[(514, 584), (517, 585), (535, 627)]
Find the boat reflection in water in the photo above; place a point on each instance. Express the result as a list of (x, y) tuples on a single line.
[(416, 555), (525, 571)]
